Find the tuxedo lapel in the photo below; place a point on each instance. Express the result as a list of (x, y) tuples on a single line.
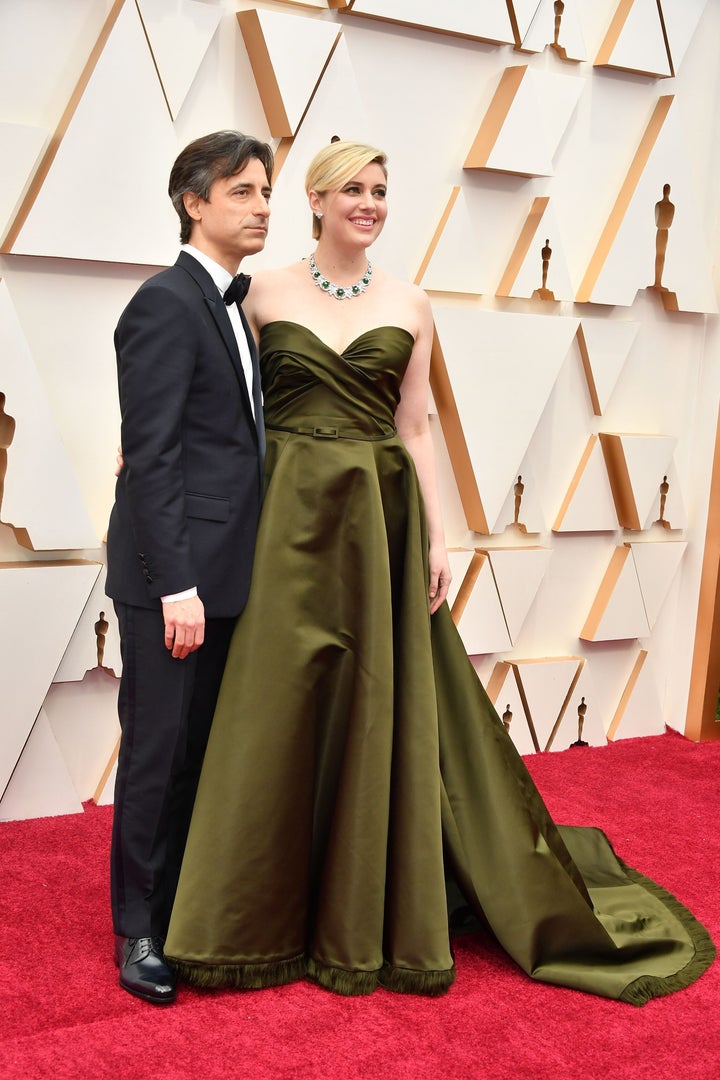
[(217, 309)]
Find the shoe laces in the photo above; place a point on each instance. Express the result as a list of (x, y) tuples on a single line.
[(142, 947)]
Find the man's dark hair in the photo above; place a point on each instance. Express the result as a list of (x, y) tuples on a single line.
[(210, 158)]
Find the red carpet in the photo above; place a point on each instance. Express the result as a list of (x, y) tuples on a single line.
[(62, 1015)]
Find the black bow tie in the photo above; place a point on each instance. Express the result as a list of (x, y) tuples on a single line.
[(237, 289)]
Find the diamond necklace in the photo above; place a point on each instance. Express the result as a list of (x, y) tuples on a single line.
[(340, 292)]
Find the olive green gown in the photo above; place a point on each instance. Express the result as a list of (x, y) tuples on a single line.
[(356, 764)]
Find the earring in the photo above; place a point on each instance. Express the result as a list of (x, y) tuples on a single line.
[(318, 214)]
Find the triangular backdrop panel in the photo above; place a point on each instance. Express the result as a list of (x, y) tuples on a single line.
[(647, 459), (121, 119), (502, 368), (605, 346), (481, 622), (681, 18), (635, 40), (524, 11), (460, 559), (581, 720), (337, 108), (84, 720), (526, 135), (472, 250), (522, 512), (95, 642), (31, 645), (518, 574), (639, 711), (179, 39), (546, 684), (557, 443), (656, 564), (41, 785), (505, 695), (630, 262), (451, 506), (487, 21), (41, 493), (544, 246), (644, 478), (588, 505), (618, 611), (274, 41), (21, 147)]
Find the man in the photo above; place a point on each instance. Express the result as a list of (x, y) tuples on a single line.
[(182, 530)]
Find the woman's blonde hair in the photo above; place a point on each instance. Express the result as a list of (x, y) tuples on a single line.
[(337, 163)]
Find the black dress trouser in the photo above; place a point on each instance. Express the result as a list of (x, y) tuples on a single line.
[(166, 708)]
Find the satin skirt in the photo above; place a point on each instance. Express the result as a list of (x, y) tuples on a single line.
[(356, 766)]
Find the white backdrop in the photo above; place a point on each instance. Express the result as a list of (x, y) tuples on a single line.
[(506, 127)]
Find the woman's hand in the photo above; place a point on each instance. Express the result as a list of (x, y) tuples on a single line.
[(440, 576), (120, 461)]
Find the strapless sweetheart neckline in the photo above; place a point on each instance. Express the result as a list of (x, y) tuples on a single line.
[(355, 340)]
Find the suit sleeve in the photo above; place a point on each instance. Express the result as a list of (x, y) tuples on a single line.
[(157, 343)]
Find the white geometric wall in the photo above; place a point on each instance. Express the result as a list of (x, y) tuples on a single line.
[(574, 392)]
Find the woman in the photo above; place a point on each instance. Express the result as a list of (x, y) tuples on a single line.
[(356, 768)]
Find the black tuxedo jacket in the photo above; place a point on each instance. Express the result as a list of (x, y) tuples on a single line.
[(188, 498)]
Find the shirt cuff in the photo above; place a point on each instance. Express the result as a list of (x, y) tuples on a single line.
[(172, 597)]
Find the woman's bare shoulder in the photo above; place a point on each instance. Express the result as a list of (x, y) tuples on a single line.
[(407, 297)]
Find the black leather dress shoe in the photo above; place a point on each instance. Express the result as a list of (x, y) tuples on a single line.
[(143, 970)]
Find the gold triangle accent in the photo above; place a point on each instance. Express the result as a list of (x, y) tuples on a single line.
[(604, 593), (61, 129), (497, 680), (468, 584), (437, 234), (526, 707), (97, 796), (155, 63), (264, 72), (455, 440), (566, 702), (495, 117), (622, 202), (619, 478), (587, 368), (701, 721), (523, 245), (627, 694), (613, 33), (574, 483)]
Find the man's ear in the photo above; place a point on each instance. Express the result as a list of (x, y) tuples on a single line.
[(191, 202)]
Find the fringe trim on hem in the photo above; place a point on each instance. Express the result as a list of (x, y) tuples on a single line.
[(409, 981), (399, 980), (648, 987), (342, 981), (239, 976)]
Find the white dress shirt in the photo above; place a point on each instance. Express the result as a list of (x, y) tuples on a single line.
[(222, 279)]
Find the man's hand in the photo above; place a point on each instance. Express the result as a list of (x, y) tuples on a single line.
[(184, 626)]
